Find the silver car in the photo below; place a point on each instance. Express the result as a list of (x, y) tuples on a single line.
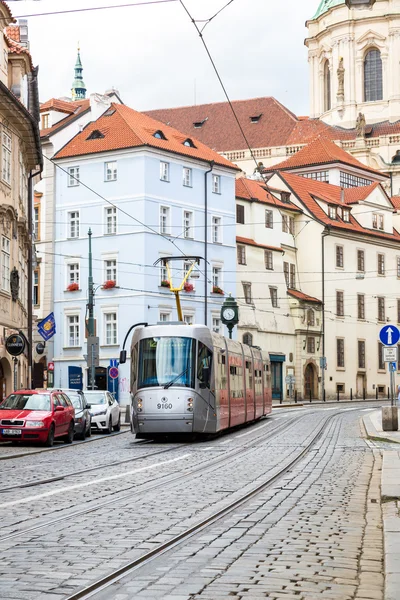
[(83, 417), (105, 411)]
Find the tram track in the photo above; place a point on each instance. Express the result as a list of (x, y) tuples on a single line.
[(104, 583)]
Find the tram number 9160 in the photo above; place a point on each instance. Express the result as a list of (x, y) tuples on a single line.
[(166, 405)]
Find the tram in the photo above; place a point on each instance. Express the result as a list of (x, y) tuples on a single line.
[(187, 379)]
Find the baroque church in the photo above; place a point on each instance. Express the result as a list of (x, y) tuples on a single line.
[(354, 64)]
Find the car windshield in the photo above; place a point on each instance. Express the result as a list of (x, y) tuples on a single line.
[(162, 359), (76, 400), (26, 402), (96, 397)]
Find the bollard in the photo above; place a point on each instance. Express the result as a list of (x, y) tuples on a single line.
[(338, 395), (310, 395), (363, 393), (128, 413), (295, 396), (351, 393), (388, 393), (324, 396), (376, 393)]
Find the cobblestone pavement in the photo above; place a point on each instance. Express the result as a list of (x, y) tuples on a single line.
[(317, 534)]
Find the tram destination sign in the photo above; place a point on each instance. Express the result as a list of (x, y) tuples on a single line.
[(15, 344)]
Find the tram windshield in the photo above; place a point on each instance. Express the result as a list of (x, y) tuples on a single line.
[(163, 360)]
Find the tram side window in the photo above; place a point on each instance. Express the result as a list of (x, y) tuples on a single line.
[(258, 381), (236, 381), (134, 364), (249, 375), (221, 383), (204, 363), (266, 375)]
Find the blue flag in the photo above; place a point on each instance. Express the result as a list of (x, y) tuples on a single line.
[(47, 327)]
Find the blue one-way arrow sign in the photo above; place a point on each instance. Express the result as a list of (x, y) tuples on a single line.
[(389, 335)]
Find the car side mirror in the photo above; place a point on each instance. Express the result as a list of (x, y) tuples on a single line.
[(88, 406), (122, 357), (59, 408)]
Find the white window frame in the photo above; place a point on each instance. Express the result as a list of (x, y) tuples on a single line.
[(187, 176), (216, 323), (110, 220), (188, 220), (75, 273), (73, 221), (7, 157), (216, 183), (110, 269), (188, 318), (111, 340), (164, 171), (5, 263), (73, 176), (216, 229), (164, 315), (216, 271), (165, 226), (77, 329), (110, 170)]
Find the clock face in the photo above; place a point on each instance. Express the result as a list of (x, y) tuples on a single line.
[(228, 314)]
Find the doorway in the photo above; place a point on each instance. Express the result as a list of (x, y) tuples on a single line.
[(276, 380), (5, 379), (309, 382), (100, 379), (361, 384)]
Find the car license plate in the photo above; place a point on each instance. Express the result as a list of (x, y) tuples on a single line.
[(11, 431)]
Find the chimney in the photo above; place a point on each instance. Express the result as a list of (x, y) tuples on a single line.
[(342, 195), (23, 32), (98, 105)]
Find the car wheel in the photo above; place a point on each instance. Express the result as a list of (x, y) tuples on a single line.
[(50, 437), (70, 435), (117, 427), (110, 427), (81, 435), (89, 431)]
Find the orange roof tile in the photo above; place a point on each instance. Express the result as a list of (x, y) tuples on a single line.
[(256, 191), (80, 108), (250, 242), (128, 128), (58, 105), (301, 296), (396, 202), (308, 190), (358, 194), (321, 151), (13, 33)]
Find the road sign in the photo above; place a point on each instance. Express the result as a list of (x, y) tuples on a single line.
[(50, 366), (113, 372), (390, 354), (92, 351), (392, 366), (389, 335)]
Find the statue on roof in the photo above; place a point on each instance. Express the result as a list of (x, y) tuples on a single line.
[(360, 125), (340, 73)]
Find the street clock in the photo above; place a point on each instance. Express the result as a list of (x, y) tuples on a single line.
[(230, 314)]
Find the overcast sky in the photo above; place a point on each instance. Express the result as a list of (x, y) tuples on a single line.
[(154, 57)]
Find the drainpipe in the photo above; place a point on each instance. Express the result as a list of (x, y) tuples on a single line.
[(325, 233), (206, 242), (31, 176)]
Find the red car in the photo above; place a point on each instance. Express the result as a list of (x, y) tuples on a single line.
[(37, 416)]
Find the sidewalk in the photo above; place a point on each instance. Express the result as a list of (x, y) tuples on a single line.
[(390, 502)]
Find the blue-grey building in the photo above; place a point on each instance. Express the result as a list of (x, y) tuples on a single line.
[(147, 192)]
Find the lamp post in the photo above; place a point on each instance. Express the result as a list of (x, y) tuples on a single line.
[(92, 341)]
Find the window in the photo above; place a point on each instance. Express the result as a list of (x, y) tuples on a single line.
[(381, 362), (286, 273), (188, 319), (247, 292), (239, 214), (73, 273), (292, 276), (164, 317), (36, 287), (110, 269), (373, 88), (23, 277), (164, 219), (287, 224), (7, 148), (36, 222), (273, 292), (375, 221), (110, 329), (216, 184), (22, 179), (110, 220), (398, 266), (381, 264), (361, 261), (216, 229), (45, 121), (188, 224), (327, 87), (110, 171), (340, 304), (190, 143), (159, 135), (360, 306), (73, 176), (361, 354), (340, 353), (316, 175), (381, 309), (339, 256), (310, 318), (269, 260), (346, 215), (73, 224), (269, 221), (216, 324), (311, 345), (380, 221), (187, 177), (216, 277), (248, 339), (332, 212), (73, 330), (164, 171), (5, 264), (347, 180), (241, 255)]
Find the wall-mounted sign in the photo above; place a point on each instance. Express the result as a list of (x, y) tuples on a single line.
[(40, 348), (15, 344)]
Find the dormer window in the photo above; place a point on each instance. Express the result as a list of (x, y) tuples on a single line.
[(95, 135), (109, 112), (198, 124), (159, 135), (255, 118), (189, 143), (346, 215), (285, 197), (339, 212), (332, 212), (45, 121)]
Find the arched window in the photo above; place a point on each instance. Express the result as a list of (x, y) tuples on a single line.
[(373, 89), (310, 317), (248, 339), (327, 87)]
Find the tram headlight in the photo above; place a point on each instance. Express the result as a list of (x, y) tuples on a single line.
[(139, 405), (190, 404)]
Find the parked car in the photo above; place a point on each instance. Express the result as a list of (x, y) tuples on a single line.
[(83, 418), (37, 416), (105, 411)]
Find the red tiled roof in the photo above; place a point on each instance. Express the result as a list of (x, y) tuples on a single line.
[(307, 190), (321, 152), (58, 105), (301, 296), (79, 108), (358, 194), (128, 128), (396, 202), (250, 242), (250, 189), (13, 33)]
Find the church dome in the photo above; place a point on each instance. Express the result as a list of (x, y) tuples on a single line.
[(325, 5)]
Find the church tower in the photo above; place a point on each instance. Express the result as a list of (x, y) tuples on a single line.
[(78, 90), (354, 55)]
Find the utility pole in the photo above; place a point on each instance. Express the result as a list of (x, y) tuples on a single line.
[(91, 344)]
